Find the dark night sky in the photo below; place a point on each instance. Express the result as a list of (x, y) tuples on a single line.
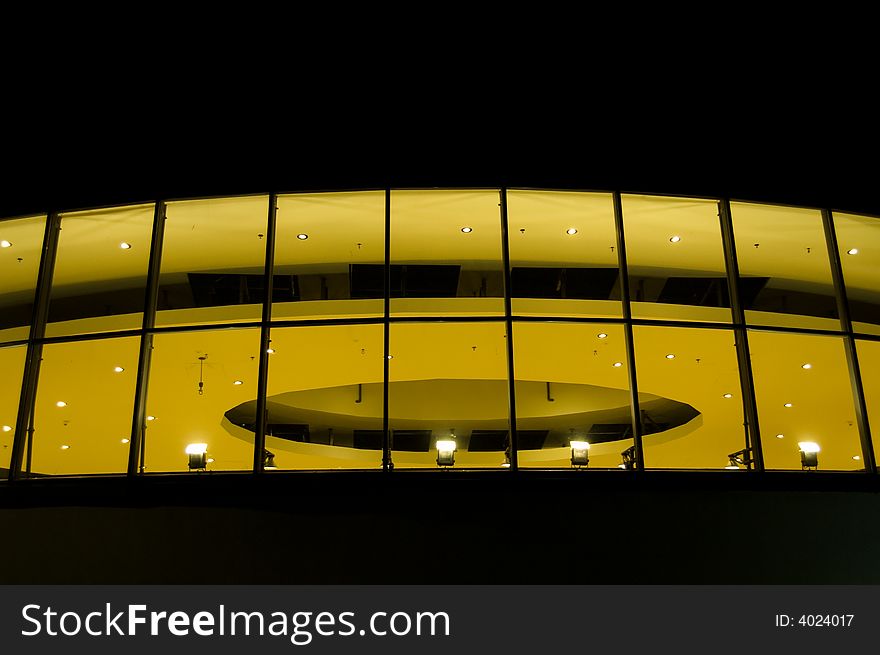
[(84, 159)]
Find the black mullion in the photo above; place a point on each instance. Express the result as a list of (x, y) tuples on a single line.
[(628, 334), (508, 321), (260, 419), (743, 357), (387, 464), (852, 356), (137, 440), (24, 423)]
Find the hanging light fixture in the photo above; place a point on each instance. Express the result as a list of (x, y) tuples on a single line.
[(202, 359)]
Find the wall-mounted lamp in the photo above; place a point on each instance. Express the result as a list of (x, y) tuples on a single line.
[(809, 455), (198, 459), (446, 451), (739, 459), (580, 453)]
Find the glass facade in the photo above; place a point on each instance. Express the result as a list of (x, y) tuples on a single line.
[(21, 244), (100, 271), (461, 346), (785, 274)]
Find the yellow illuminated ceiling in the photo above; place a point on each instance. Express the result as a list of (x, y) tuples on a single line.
[(222, 235)]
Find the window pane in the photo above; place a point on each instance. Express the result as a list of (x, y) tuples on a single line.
[(19, 266), (100, 271), (448, 382), (571, 385), (181, 411), (84, 406), (12, 365), (446, 253), (785, 276), (213, 261), (326, 397), (869, 366), (858, 240), (329, 247), (804, 395), (675, 259), (689, 397), (563, 254)]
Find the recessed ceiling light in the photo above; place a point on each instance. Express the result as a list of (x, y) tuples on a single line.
[(61, 403), (602, 335), (728, 395), (237, 383), (806, 366), (780, 436), (851, 251), (118, 369), (617, 364), (467, 229), (302, 237), (857, 457), (675, 239), (125, 440), (151, 418), (670, 356), (787, 405), (5, 244), (571, 230), (7, 428), (125, 245), (65, 447)]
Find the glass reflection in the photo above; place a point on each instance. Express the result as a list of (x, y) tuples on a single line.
[(563, 254), (325, 397), (571, 385), (213, 261), (448, 383), (84, 405), (100, 270), (446, 253), (329, 247), (858, 242), (804, 396), (869, 366), (675, 259), (690, 398), (12, 365), (785, 274), (196, 378), (21, 246)]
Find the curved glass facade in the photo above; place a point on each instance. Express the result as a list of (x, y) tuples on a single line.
[(435, 329)]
